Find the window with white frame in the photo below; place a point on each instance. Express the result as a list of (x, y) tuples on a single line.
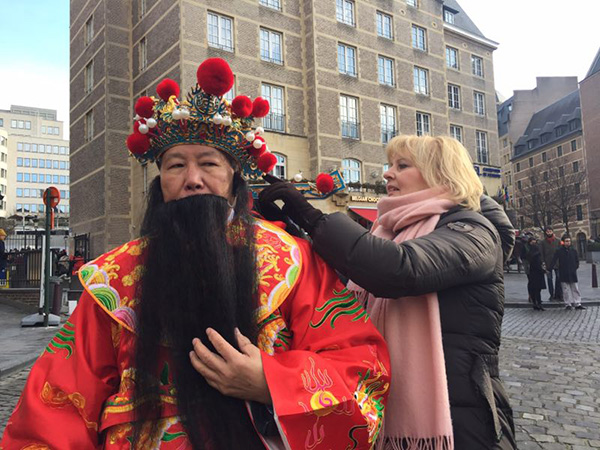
[(88, 125), (344, 11), (89, 77), (271, 46), (280, 166), (384, 25), (414, 3), (388, 122), (275, 4), (385, 67), (479, 103), (452, 58), (477, 65), (275, 120), (88, 31), (220, 31), (349, 116), (351, 170), (143, 53), (453, 96), (456, 133), (347, 59), (448, 16), (421, 80), (230, 94), (143, 7), (423, 124), (419, 38), (483, 155)]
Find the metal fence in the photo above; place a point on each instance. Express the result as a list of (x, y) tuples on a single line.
[(24, 269)]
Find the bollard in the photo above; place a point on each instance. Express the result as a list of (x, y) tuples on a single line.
[(594, 276)]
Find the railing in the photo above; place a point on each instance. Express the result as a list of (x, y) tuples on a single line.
[(388, 134), (275, 122), (24, 269), (350, 130)]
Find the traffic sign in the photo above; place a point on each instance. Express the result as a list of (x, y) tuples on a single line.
[(51, 197)]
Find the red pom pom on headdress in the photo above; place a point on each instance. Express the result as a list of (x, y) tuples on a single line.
[(241, 106), (258, 147), (324, 183), (260, 107), (166, 88), (266, 162), (138, 143), (215, 76), (144, 107)]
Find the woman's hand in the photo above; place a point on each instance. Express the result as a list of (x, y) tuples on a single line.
[(233, 373)]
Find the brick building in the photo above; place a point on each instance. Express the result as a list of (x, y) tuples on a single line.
[(342, 77)]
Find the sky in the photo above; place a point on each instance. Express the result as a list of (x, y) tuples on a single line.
[(536, 38)]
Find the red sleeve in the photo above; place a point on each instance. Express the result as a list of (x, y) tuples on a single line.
[(62, 400), (329, 389)]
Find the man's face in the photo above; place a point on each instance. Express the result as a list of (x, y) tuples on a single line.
[(193, 169), (549, 233), (567, 242)]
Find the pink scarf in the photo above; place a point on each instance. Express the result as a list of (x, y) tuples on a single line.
[(417, 415)]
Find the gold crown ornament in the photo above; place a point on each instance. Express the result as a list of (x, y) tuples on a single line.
[(206, 118)]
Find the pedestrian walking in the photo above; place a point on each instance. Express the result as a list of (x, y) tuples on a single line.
[(548, 247), (535, 277), (568, 263)]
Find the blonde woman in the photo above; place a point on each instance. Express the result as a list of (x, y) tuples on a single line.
[(430, 271)]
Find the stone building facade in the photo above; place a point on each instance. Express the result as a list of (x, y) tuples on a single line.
[(342, 77)]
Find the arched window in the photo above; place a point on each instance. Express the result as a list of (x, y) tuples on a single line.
[(280, 169), (351, 170)]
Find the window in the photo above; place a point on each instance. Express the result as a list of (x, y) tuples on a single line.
[(54, 178), (142, 8), (26, 177), (385, 68), (518, 168), (388, 122), (89, 77), (26, 162), (88, 125), (421, 80), (519, 185), (20, 124), (412, 3), (55, 164), (559, 131), (279, 170), (19, 146), (531, 162), (573, 124), (275, 4), (545, 176), (347, 59), (477, 65), (453, 96), (270, 46), (19, 192), (275, 120), (559, 151), (483, 156), (479, 103), (448, 16), (55, 149), (62, 150), (34, 148), (89, 31), (62, 165), (43, 129), (575, 166), (456, 132), (48, 164), (19, 162), (579, 212), (229, 96), (419, 38), (34, 163), (349, 116), (423, 124), (452, 58), (573, 145), (143, 53), (13, 124), (220, 32), (351, 170), (26, 192), (19, 176), (384, 25), (561, 171), (344, 11), (62, 179), (1, 122), (27, 125), (544, 157), (42, 164), (577, 188), (34, 177), (531, 143)]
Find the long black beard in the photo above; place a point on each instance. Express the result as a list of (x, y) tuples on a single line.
[(195, 279)]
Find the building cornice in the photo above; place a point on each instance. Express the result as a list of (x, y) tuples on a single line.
[(494, 45)]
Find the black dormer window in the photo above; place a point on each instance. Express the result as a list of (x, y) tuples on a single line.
[(532, 143), (545, 137), (573, 124)]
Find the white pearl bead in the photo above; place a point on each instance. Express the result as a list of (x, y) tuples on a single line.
[(176, 114), (250, 136), (217, 119), (257, 144), (143, 128), (151, 122), (227, 121), (259, 130), (137, 117), (298, 177)]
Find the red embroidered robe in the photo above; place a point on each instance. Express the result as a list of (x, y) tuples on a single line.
[(326, 366)]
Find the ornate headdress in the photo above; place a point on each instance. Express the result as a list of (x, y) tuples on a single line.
[(204, 118)]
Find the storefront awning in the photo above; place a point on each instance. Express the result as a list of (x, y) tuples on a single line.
[(368, 213)]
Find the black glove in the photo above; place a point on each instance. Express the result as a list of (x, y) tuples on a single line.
[(295, 205)]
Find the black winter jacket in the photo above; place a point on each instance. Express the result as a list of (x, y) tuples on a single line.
[(568, 263), (461, 260)]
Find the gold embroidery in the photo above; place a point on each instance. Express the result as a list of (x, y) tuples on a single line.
[(57, 398), (134, 276)]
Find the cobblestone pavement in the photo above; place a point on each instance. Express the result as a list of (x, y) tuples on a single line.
[(550, 365)]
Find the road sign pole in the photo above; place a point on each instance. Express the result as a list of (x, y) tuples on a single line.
[(48, 202)]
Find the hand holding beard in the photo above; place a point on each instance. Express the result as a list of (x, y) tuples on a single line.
[(233, 373)]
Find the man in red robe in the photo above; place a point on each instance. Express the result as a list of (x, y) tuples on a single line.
[(216, 330)]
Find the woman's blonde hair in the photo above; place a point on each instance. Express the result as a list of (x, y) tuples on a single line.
[(442, 161)]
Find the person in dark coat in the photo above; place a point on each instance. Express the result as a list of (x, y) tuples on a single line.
[(568, 263), (3, 257), (460, 260), (535, 277), (548, 247)]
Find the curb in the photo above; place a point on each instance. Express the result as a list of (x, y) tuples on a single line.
[(19, 364), (554, 305)]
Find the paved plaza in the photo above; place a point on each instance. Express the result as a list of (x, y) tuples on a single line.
[(550, 364)]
